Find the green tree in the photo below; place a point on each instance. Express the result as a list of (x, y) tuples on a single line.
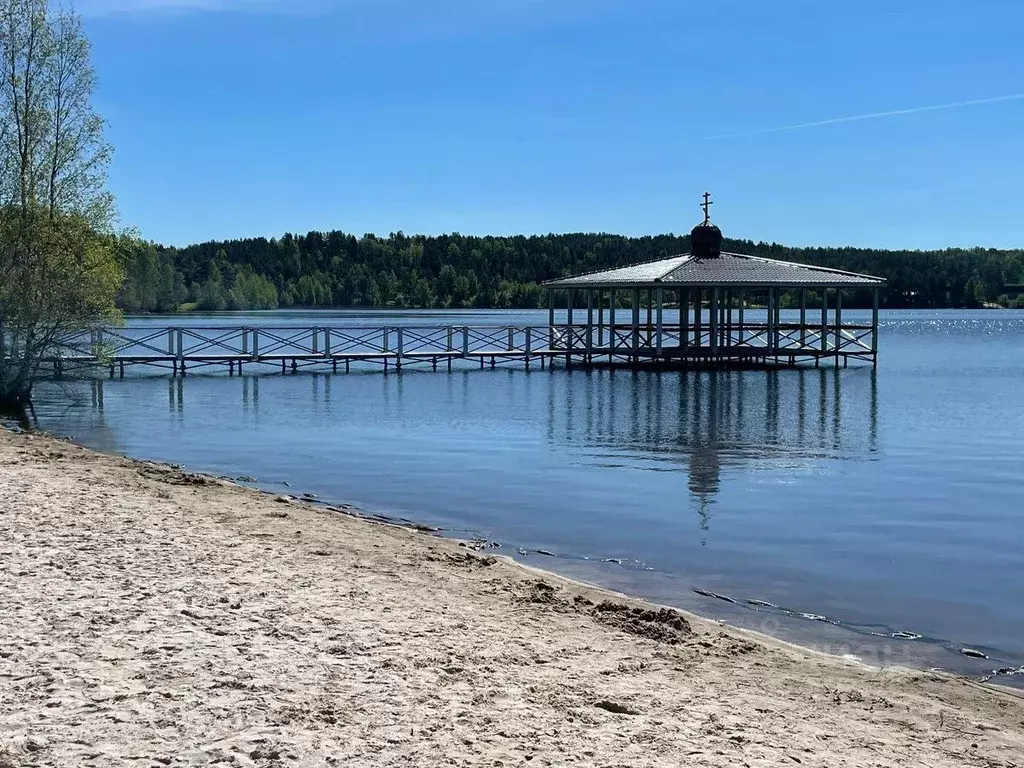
[(58, 270), (457, 270), (974, 292)]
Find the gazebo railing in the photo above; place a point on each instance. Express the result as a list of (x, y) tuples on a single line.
[(787, 338)]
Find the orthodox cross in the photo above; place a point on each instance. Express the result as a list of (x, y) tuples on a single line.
[(707, 208)]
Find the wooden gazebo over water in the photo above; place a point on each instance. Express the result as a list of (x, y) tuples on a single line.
[(729, 311)]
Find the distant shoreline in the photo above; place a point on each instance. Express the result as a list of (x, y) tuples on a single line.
[(470, 310)]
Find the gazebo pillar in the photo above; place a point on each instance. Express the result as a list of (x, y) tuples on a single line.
[(551, 319), (650, 306), (874, 327), (727, 319), (659, 299), (743, 301), (696, 317), (636, 323), (824, 319), (590, 323), (770, 327), (684, 318), (839, 322), (803, 316), (778, 318), (600, 317), (714, 320), (611, 319), (727, 327), (568, 319)]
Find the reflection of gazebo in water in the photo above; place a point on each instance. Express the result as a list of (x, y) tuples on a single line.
[(708, 422), (714, 291)]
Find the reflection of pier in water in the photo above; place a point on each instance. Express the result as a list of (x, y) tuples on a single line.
[(704, 422), (700, 423)]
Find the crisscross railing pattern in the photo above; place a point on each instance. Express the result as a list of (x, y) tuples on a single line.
[(191, 346)]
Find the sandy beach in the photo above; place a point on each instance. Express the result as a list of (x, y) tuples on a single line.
[(155, 618)]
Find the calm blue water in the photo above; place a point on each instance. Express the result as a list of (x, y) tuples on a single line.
[(883, 501)]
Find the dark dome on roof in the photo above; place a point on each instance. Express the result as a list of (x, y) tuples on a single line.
[(706, 241)]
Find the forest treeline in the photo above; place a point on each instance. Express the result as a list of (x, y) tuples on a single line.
[(335, 269)]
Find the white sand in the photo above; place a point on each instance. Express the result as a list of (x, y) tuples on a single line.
[(150, 621)]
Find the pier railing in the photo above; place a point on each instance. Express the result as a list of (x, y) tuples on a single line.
[(182, 348)]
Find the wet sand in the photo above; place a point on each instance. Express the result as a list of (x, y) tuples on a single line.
[(151, 617)]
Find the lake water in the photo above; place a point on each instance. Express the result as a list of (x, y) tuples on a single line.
[(863, 504)]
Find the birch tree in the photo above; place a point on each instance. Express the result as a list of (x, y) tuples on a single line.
[(58, 271)]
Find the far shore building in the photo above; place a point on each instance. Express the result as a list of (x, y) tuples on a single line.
[(715, 324)]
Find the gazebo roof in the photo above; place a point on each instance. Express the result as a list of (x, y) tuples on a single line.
[(728, 269)]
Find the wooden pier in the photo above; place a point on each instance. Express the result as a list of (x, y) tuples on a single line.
[(693, 341)]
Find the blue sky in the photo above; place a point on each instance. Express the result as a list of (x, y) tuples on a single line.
[(255, 117)]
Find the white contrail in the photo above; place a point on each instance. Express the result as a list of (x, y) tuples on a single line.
[(873, 116)]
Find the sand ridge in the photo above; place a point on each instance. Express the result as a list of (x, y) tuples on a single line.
[(155, 618)]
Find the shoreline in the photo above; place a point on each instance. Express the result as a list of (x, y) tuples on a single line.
[(157, 613), (809, 631)]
